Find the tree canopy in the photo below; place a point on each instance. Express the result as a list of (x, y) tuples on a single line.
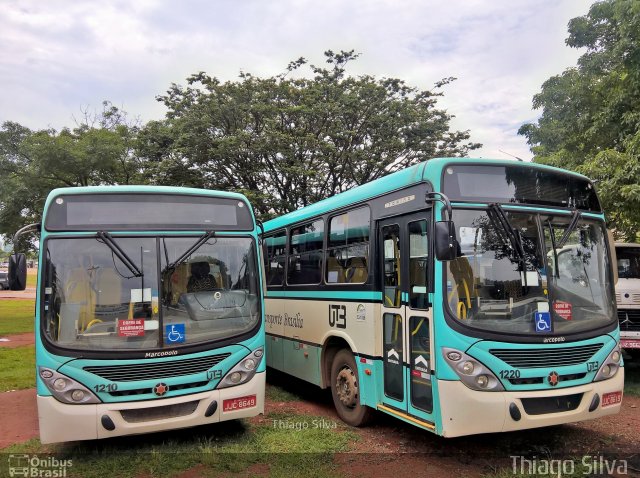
[(590, 119), (285, 141), (288, 142), (99, 150)]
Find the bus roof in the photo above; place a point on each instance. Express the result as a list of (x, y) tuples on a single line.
[(144, 189), (430, 170), (132, 189), (159, 192)]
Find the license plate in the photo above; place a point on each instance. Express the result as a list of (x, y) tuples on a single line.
[(630, 344), (239, 403), (611, 398)]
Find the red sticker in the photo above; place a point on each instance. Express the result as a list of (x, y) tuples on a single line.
[(563, 309), (131, 328)]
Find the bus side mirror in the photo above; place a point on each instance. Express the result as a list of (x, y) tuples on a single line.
[(445, 241), (17, 272)]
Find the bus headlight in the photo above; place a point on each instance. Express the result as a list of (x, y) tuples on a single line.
[(610, 366), (65, 389), (482, 381), (243, 371), (471, 372)]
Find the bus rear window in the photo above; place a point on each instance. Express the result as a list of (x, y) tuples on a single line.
[(90, 212)]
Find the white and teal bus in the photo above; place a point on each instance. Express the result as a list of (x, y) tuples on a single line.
[(149, 311), (462, 296)]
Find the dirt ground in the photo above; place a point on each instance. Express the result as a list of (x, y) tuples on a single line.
[(390, 448), (28, 294), (16, 340)]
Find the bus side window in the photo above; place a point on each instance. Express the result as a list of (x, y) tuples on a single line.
[(348, 247), (275, 258), (305, 254)]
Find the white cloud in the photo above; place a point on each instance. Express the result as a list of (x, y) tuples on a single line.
[(60, 56)]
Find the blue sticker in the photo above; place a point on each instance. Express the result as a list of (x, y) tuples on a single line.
[(543, 322), (175, 333)]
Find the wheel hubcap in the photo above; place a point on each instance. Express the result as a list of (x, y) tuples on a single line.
[(347, 387)]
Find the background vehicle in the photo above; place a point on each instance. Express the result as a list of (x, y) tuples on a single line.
[(4, 279), (628, 296), (462, 296), (149, 311)]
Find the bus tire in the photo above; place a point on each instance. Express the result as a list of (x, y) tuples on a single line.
[(345, 390)]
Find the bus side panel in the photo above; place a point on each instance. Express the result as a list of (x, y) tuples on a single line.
[(274, 327), (369, 374), (302, 361)]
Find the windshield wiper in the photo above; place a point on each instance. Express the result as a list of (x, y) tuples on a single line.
[(570, 228), (201, 240), (512, 235), (108, 240)]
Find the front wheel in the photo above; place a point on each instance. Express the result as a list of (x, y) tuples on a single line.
[(345, 390)]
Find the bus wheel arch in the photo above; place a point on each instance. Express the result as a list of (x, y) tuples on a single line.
[(340, 373)]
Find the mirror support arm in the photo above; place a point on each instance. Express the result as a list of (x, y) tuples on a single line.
[(35, 226)]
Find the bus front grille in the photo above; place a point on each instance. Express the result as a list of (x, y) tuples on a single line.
[(541, 358), (159, 413), (145, 391), (629, 320), (540, 380), (156, 370)]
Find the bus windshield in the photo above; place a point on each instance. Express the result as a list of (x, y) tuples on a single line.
[(514, 266), (95, 301)]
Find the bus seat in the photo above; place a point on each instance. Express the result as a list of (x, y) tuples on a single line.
[(179, 279), (357, 271), (109, 287), (335, 271), (109, 302), (463, 276), (78, 291)]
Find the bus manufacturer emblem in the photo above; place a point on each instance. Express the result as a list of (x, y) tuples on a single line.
[(553, 379), (160, 389)]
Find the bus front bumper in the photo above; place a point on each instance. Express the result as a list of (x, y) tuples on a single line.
[(468, 412), (60, 422)]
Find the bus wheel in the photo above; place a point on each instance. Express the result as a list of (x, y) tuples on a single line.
[(345, 390)]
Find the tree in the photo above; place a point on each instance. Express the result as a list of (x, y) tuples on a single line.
[(590, 118), (288, 142), (32, 163)]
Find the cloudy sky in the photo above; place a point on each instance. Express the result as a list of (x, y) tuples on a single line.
[(59, 57)]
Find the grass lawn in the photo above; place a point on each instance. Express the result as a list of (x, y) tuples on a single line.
[(17, 368), (16, 316), (277, 445)]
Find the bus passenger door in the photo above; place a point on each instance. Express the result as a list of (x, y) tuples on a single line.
[(407, 328), (393, 315), (418, 313)]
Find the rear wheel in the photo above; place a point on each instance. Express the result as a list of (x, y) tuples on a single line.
[(346, 391)]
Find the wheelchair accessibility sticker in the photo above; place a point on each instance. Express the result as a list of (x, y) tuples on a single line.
[(175, 333), (543, 322)]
